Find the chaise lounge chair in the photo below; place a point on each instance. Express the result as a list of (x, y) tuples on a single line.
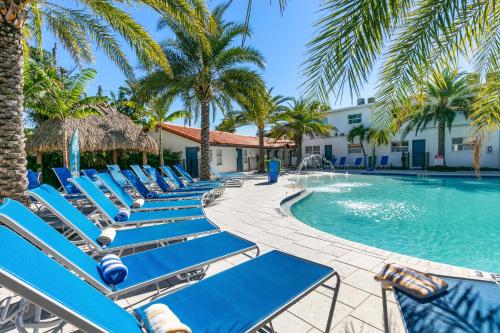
[(466, 306), (384, 163), (111, 212), (179, 185), (69, 190), (125, 238), (357, 162), (33, 179), (144, 268), (128, 201), (164, 186), (146, 193), (243, 298), (343, 164), (141, 175), (191, 181)]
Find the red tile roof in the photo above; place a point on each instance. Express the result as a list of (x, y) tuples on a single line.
[(218, 138)]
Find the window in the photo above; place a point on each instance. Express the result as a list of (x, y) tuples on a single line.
[(354, 148), (211, 153), (399, 146), (312, 150), (219, 156), (354, 118), (245, 156), (460, 144)]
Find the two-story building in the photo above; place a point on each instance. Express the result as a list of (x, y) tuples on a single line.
[(229, 152), (416, 148)]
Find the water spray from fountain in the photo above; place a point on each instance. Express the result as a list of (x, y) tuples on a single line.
[(314, 162)]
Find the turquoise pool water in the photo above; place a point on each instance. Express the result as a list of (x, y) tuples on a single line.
[(449, 220)]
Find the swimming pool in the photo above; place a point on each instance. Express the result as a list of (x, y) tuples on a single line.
[(450, 220)]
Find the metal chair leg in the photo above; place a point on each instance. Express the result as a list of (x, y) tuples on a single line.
[(384, 306)]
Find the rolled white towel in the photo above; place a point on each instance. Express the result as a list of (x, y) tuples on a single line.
[(106, 236), (122, 215), (162, 320), (138, 203)]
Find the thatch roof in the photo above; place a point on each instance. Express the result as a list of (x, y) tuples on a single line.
[(110, 130)]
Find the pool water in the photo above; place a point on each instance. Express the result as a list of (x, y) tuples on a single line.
[(450, 220)]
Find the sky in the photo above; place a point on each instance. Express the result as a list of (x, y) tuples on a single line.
[(280, 38)]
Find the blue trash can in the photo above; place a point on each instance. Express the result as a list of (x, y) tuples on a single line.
[(273, 171)]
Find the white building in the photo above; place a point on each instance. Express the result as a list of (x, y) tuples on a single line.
[(229, 152), (414, 147)]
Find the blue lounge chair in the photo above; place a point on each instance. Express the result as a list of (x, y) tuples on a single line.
[(33, 179), (170, 174), (232, 179), (128, 201), (110, 211), (334, 160), (191, 181), (144, 268), (141, 175), (466, 306), (243, 298), (125, 238), (165, 187), (357, 162), (146, 193), (91, 173), (384, 163), (343, 164), (62, 175)]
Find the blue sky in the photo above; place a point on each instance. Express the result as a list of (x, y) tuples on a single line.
[(281, 39)]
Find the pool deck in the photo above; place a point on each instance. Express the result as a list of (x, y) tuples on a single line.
[(255, 212)]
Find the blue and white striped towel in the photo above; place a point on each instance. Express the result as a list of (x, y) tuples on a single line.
[(113, 271), (122, 215)]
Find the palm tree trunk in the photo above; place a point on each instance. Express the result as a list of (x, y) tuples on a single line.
[(364, 152), (160, 148), (441, 139), (144, 158), (65, 148), (13, 180), (262, 160), (205, 141), (298, 149)]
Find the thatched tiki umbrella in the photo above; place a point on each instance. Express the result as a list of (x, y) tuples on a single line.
[(109, 131)]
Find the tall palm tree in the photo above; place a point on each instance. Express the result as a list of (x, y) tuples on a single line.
[(206, 80), (410, 38), (159, 113), (93, 22), (361, 133), (50, 96), (377, 138), (300, 118), (445, 95), (259, 110)]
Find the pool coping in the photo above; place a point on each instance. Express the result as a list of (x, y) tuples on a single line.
[(287, 202)]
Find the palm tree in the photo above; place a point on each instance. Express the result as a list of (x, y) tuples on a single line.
[(206, 80), (259, 110), (93, 22), (377, 138), (50, 96), (446, 95), (410, 38), (361, 133), (159, 113), (300, 118)]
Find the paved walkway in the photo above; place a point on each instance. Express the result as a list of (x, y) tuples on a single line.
[(255, 213)]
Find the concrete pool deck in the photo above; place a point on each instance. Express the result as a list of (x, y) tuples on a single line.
[(255, 212)]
